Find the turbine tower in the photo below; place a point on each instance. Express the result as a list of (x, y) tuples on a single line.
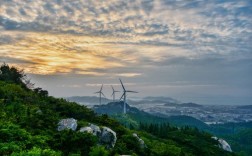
[(124, 96), (113, 93), (100, 93)]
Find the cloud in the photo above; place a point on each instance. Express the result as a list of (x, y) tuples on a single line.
[(14, 60), (134, 39), (128, 74)]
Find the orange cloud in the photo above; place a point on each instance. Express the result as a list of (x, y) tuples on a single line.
[(53, 54)]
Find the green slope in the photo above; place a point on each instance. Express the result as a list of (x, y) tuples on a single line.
[(135, 115), (28, 126), (237, 134)]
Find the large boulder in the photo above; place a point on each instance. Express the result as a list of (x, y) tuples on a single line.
[(96, 129), (86, 129), (141, 142), (223, 144), (93, 129), (69, 123), (108, 137)]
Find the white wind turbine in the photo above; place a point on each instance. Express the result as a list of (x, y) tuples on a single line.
[(100, 93), (113, 93), (124, 96)]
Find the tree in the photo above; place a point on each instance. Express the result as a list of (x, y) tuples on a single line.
[(11, 74), (98, 151)]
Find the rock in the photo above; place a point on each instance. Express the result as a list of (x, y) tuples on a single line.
[(108, 137), (69, 123), (96, 129), (86, 129), (223, 144), (141, 142)]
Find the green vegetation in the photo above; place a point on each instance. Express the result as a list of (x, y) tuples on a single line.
[(239, 136), (29, 118)]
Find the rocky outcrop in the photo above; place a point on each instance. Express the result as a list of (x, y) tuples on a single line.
[(96, 129), (69, 123), (86, 129), (106, 136), (223, 144), (141, 142), (91, 128)]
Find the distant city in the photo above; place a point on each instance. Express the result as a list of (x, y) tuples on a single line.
[(210, 114)]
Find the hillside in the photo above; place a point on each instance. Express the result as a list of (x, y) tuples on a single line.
[(30, 119), (133, 114), (237, 134)]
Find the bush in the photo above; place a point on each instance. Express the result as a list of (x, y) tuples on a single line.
[(98, 151)]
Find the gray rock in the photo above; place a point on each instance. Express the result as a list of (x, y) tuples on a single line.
[(69, 123), (86, 129), (223, 144), (141, 142), (96, 129), (93, 129), (108, 137)]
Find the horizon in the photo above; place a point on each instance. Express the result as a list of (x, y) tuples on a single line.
[(192, 51), (134, 98)]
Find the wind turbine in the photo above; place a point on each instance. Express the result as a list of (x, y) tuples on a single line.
[(113, 93), (100, 93), (124, 96)]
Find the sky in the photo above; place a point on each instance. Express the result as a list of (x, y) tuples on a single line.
[(191, 50)]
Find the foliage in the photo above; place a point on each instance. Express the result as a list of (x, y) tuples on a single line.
[(37, 152), (98, 151), (11, 74)]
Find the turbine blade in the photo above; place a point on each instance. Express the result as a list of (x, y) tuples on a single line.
[(103, 94), (101, 88), (112, 88), (96, 92), (121, 96), (112, 93), (122, 84)]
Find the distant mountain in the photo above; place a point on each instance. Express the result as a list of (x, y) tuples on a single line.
[(245, 107), (161, 98), (87, 100), (94, 100), (115, 109), (190, 104)]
